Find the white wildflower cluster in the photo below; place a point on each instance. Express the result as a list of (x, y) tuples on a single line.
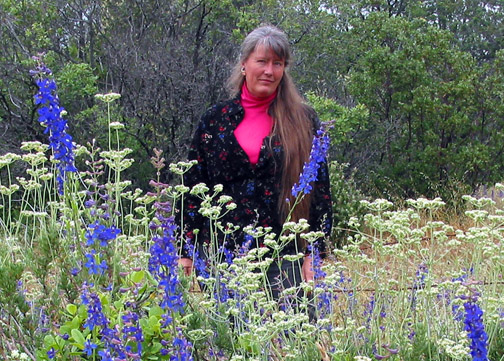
[(116, 160), (29, 185), (8, 159), (8, 191), (293, 257), (80, 150), (32, 289), (35, 146), (116, 125), (297, 227), (379, 205), (210, 211), (237, 358), (181, 167), (200, 334), (15, 355), (426, 204), (362, 358), (34, 214), (229, 228), (479, 203), (271, 242), (129, 195), (257, 232), (146, 199), (494, 313), (496, 220), (34, 159), (455, 349), (477, 215), (476, 235), (108, 97), (117, 186), (200, 189), (313, 236)]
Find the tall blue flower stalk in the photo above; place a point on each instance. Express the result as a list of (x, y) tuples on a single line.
[(419, 283), (95, 315), (473, 324), (318, 154), (51, 116), (112, 345), (98, 236), (324, 299), (163, 265)]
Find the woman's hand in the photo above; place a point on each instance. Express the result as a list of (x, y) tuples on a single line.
[(307, 269), (187, 264)]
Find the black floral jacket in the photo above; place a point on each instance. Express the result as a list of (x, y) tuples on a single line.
[(254, 188)]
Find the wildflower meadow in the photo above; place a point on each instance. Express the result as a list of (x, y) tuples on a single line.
[(88, 267)]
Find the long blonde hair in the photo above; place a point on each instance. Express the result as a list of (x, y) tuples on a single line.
[(292, 123)]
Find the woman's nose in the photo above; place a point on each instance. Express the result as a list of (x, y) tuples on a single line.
[(269, 68)]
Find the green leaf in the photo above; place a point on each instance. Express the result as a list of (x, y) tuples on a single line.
[(49, 341), (154, 323), (156, 347), (138, 276), (156, 311), (78, 337), (71, 309)]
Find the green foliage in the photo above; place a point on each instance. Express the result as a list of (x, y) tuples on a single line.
[(346, 202), (428, 74), (426, 123), (343, 121), (76, 82)]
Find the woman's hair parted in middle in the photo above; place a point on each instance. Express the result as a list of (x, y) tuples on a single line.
[(292, 122)]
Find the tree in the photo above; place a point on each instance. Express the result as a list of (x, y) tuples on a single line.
[(428, 128)]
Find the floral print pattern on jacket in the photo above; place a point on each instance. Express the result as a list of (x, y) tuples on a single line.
[(254, 188)]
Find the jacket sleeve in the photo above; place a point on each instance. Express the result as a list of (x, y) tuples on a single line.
[(321, 208), (321, 201), (188, 217)]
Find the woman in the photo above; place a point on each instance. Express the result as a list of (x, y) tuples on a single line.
[(255, 145)]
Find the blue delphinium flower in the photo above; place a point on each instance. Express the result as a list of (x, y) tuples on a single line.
[(113, 345), (181, 350), (89, 347), (51, 353), (105, 355), (419, 283), (316, 262), (324, 299), (227, 254), (245, 247), (200, 265), (473, 324), (94, 267), (320, 147), (458, 312), (163, 264), (98, 232), (368, 312), (51, 116), (95, 315), (133, 331)]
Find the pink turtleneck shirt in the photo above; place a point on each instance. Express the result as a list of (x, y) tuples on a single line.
[(256, 123)]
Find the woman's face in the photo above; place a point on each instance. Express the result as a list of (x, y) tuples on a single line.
[(263, 71)]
